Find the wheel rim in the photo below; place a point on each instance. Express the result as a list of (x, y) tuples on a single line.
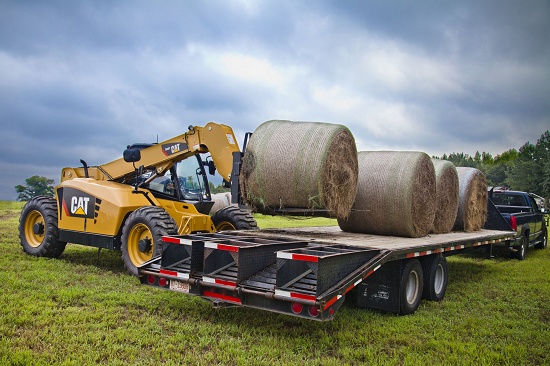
[(439, 279), (225, 225), (139, 232), (34, 218), (412, 287)]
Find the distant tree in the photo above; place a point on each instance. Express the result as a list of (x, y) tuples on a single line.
[(507, 156), (36, 186), (526, 169), (542, 154), (526, 173), (487, 158), (496, 174)]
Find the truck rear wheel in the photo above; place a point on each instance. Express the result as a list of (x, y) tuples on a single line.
[(521, 250), (38, 230), (233, 218), (544, 243), (410, 287), (142, 236), (436, 274)]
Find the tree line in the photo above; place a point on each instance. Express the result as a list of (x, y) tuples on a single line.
[(526, 169)]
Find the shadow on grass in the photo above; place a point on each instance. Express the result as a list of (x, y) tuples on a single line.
[(102, 259)]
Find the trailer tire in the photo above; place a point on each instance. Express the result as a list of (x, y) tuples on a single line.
[(38, 230), (410, 287), (521, 250), (233, 218), (436, 275), (544, 243), (142, 236)]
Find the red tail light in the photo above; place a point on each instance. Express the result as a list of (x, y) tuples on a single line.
[(513, 223), (313, 311), (296, 308)]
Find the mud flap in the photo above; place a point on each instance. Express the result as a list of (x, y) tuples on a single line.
[(380, 290)]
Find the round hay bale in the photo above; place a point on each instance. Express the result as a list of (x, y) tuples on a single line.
[(220, 201), (395, 194), (472, 203), (306, 165), (446, 202)]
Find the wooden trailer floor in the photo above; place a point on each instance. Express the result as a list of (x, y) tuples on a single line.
[(333, 235)]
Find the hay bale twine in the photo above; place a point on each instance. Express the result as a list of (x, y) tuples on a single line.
[(472, 203), (446, 202), (308, 165), (395, 194)]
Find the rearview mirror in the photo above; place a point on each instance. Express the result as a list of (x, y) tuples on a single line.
[(131, 155)]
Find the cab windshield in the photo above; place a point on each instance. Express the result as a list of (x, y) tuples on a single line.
[(185, 181)]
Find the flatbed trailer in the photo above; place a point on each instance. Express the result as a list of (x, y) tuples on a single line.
[(308, 272)]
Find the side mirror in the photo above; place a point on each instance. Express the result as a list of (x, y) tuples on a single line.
[(131, 155), (211, 167)]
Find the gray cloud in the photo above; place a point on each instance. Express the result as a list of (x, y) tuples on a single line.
[(84, 79)]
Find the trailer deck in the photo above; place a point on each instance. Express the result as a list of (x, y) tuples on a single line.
[(305, 272), (448, 242)]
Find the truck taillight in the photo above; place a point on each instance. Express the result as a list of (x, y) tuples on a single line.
[(513, 223)]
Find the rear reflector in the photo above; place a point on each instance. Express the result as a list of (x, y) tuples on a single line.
[(297, 308), (313, 311)]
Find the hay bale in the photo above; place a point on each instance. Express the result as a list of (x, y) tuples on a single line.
[(307, 165), (446, 206), (221, 200), (472, 204), (395, 194)]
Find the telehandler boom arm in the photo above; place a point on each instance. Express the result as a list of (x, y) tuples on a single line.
[(216, 139)]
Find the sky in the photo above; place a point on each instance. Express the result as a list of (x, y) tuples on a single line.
[(83, 79)]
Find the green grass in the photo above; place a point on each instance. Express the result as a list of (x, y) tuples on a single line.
[(268, 222), (84, 309)]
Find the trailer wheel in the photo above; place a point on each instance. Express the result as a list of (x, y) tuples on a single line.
[(233, 218), (142, 236), (521, 250), (436, 275), (410, 287), (38, 230), (544, 243)]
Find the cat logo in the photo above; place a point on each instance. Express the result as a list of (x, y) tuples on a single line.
[(76, 203), (170, 149), (79, 205)]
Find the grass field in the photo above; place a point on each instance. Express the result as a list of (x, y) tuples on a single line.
[(84, 309)]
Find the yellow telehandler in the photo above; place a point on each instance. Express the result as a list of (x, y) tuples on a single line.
[(121, 206)]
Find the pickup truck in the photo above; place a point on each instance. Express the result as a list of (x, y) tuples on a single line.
[(524, 216)]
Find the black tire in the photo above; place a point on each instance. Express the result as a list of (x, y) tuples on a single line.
[(410, 287), (142, 236), (38, 230), (233, 218), (521, 250), (544, 243), (436, 275)]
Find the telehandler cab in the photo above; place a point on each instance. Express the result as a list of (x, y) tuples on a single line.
[(119, 206)]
